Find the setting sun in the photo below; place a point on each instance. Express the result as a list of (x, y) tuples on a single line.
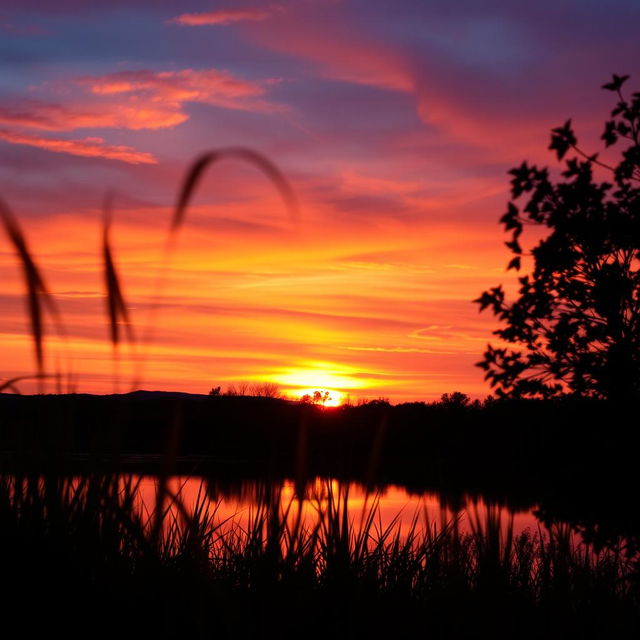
[(324, 397), (324, 377)]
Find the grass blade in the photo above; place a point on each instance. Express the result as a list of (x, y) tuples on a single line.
[(116, 307), (37, 292), (247, 155)]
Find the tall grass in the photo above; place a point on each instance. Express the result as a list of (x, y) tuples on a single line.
[(88, 545)]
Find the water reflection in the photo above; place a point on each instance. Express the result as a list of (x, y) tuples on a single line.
[(103, 541), (388, 508), (175, 506)]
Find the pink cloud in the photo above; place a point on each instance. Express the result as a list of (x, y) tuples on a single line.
[(56, 117), (139, 100), (340, 51), (87, 147), (133, 100), (224, 16), (462, 112), (173, 88)]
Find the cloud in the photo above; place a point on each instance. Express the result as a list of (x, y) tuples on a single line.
[(339, 47), (463, 98), (87, 147), (389, 349), (173, 88), (224, 16), (56, 117), (133, 100), (139, 100)]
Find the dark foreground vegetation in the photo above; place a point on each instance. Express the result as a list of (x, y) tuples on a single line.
[(78, 548), (81, 558)]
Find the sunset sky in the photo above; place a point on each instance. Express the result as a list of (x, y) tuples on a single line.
[(395, 122)]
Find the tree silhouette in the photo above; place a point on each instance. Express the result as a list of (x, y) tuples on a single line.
[(318, 397), (575, 323), (455, 399)]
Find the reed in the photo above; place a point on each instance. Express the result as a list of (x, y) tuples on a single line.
[(38, 296), (92, 540)]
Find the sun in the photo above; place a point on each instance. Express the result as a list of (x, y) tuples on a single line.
[(334, 398), (332, 381)]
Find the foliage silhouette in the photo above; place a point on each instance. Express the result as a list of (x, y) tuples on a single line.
[(455, 399), (576, 320), (317, 397)]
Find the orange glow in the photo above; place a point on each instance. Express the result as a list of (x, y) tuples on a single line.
[(397, 146), (334, 399), (386, 316), (320, 376)]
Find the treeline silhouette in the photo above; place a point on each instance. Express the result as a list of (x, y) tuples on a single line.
[(573, 458)]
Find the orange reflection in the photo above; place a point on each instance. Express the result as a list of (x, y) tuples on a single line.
[(394, 507)]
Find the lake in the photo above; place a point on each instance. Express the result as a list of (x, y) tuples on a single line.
[(388, 508)]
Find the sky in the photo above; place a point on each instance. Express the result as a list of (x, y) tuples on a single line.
[(395, 124)]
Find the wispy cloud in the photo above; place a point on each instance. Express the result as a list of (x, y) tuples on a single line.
[(389, 349), (87, 147), (221, 17), (45, 116), (173, 88), (140, 99), (133, 100)]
